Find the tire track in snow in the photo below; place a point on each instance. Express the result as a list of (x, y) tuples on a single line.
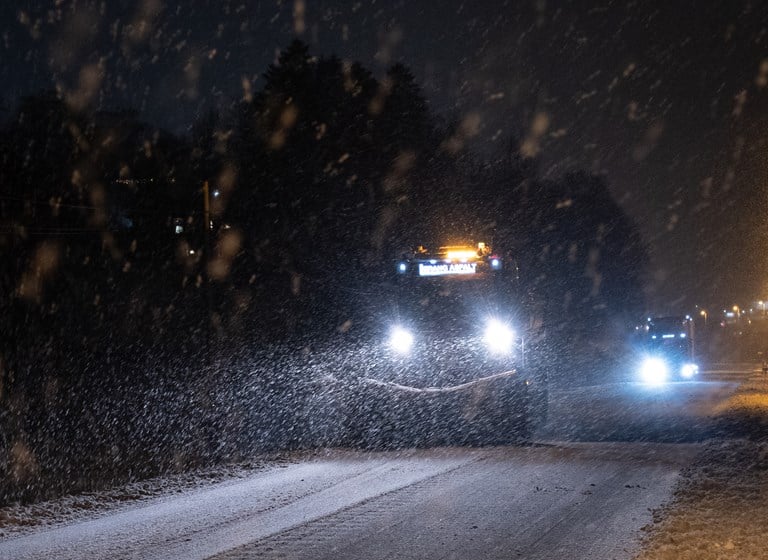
[(204, 523)]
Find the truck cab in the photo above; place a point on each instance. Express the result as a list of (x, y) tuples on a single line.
[(669, 349), (451, 355)]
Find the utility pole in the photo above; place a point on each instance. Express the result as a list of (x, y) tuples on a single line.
[(209, 361), (206, 218), (206, 257)]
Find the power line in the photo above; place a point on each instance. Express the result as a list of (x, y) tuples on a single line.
[(55, 233), (52, 231), (48, 203)]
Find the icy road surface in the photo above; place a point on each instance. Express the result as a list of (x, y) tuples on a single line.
[(568, 500), (609, 456)]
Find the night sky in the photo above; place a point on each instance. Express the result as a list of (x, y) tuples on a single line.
[(668, 99)]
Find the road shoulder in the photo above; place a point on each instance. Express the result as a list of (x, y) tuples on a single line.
[(720, 504)]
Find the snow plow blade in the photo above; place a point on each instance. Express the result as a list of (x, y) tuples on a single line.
[(371, 413)]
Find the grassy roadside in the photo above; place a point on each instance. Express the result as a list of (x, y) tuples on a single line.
[(720, 505)]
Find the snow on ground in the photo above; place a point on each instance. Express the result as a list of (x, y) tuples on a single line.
[(22, 519), (720, 508), (203, 522)]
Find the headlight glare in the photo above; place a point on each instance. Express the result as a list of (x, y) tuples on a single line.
[(401, 340), (499, 337), (689, 370), (654, 371)]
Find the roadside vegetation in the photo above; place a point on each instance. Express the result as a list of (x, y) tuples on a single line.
[(163, 295)]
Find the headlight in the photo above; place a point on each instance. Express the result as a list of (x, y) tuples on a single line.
[(499, 337), (654, 371), (401, 340), (689, 370)]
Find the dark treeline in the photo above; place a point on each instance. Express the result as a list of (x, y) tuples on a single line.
[(140, 312)]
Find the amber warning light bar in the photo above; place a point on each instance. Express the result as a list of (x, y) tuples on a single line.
[(450, 261)]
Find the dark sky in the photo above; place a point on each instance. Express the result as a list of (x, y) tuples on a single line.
[(668, 99)]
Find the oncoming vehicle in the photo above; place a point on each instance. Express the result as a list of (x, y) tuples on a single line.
[(451, 364), (669, 350)]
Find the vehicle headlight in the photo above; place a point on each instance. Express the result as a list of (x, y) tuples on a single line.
[(689, 370), (654, 371), (401, 340), (499, 337)]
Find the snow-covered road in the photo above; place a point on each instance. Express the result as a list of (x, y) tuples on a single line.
[(555, 500), (608, 457), (198, 524)]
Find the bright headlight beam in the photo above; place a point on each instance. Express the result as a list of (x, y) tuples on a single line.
[(689, 370), (499, 337), (654, 371), (401, 340)]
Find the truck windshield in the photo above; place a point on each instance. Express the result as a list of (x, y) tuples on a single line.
[(455, 306), (671, 335), (668, 326)]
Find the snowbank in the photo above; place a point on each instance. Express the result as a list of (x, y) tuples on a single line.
[(720, 509), (20, 519)]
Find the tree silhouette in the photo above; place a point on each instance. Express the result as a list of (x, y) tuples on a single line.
[(326, 158), (585, 264), (327, 175)]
